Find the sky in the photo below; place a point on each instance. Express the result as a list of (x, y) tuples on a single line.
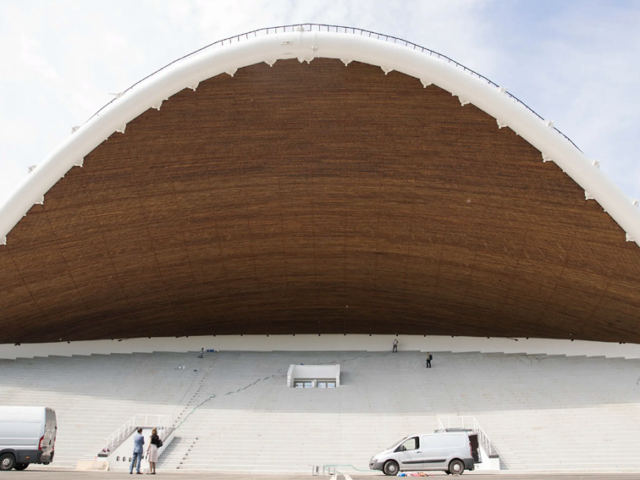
[(573, 62)]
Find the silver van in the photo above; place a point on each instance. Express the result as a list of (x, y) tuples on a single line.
[(449, 452), (27, 435)]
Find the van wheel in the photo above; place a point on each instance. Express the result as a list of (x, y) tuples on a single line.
[(456, 467), (21, 466), (7, 461), (390, 468)]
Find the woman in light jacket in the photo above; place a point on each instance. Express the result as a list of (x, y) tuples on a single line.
[(152, 451)]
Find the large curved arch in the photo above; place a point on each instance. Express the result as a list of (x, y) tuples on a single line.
[(352, 194), (306, 46)]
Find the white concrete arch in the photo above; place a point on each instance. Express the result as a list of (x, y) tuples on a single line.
[(305, 46)]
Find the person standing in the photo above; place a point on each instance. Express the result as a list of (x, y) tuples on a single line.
[(138, 442), (395, 346), (152, 450), (429, 358)]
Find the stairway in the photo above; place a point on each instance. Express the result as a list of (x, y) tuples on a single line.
[(234, 412)]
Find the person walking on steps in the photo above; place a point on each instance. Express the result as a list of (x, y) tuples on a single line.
[(138, 442), (395, 346), (429, 358), (152, 451)]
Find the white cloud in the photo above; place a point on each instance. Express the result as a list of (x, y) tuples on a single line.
[(37, 65), (583, 75)]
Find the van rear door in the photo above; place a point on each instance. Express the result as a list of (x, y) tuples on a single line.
[(49, 437)]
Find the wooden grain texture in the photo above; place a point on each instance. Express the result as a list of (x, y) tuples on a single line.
[(317, 199)]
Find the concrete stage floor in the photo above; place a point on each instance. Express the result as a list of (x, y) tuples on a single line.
[(72, 475)]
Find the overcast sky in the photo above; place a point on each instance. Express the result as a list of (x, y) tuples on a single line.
[(574, 62)]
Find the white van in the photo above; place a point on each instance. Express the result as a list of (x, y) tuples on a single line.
[(27, 435), (449, 452)]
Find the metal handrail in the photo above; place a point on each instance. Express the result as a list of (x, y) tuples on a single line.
[(474, 426), (119, 435), (319, 27), (484, 439), (161, 422)]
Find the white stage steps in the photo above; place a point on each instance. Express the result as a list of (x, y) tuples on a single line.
[(542, 412)]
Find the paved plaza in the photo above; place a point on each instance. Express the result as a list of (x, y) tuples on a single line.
[(73, 475)]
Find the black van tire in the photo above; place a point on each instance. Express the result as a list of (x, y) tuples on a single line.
[(390, 468), (21, 466), (7, 461), (456, 467)]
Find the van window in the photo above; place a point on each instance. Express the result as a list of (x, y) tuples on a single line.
[(396, 444), (412, 444)]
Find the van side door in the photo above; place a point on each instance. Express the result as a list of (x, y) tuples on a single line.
[(435, 452), (409, 455)]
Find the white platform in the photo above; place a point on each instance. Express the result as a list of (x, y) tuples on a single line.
[(370, 343), (543, 412)]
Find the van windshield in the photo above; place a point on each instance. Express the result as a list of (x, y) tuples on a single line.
[(399, 441)]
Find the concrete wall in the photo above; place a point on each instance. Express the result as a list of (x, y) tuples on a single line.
[(313, 372), (374, 343)]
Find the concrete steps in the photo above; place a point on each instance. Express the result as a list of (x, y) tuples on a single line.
[(549, 413)]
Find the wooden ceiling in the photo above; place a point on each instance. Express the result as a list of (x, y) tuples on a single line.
[(317, 198)]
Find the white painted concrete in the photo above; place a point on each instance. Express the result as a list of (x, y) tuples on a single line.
[(373, 343), (119, 459), (488, 464), (313, 372), (94, 395), (542, 412)]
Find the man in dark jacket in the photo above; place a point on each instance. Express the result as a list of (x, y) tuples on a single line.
[(429, 358)]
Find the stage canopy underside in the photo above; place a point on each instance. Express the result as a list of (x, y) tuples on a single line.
[(317, 198)]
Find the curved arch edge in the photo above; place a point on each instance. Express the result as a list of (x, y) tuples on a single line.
[(306, 46)]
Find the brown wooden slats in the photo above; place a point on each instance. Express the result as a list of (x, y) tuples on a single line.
[(317, 199)]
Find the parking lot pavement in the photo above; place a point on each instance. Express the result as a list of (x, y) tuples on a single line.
[(72, 475), (523, 476)]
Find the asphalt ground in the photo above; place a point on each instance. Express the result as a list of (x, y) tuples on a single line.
[(73, 475)]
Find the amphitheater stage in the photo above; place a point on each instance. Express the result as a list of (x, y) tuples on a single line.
[(234, 413)]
